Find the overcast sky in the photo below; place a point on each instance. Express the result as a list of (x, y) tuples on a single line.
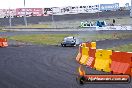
[(55, 3)]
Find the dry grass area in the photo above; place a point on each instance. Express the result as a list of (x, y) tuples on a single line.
[(55, 39), (124, 48)]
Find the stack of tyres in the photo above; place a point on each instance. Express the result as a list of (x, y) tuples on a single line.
[(85, 55), (121, 62), (3, 42), (103, 60)]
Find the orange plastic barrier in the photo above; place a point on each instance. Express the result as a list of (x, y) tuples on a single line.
[(93, 45), (3, 42), (84, 56), (103, 60), (85, 50), (121, 63), (79, 53)]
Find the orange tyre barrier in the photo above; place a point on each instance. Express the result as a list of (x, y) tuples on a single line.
[(3, 42)]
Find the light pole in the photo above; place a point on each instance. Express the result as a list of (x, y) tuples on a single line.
[(53, 22), (52, 17), (25, 19), (131, 9), (10, 18), (98, 10), (9, 14)]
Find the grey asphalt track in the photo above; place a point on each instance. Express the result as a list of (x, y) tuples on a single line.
[(62, 32), (37, 66)]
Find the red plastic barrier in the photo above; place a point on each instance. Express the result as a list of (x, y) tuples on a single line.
[(121, 63), (121, 56), (3, 42), (119, 68), (91, 45), (88, 44), (91, 60)]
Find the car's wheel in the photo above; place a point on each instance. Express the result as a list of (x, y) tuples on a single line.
[(64, 45), (75, 45)]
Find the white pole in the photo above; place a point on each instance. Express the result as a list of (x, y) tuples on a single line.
[(25, 19), (52, 16), (131, 9), (10, 18), (53, 22), (9, 14)]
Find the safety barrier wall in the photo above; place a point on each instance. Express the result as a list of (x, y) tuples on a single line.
[(3, 42), (36, 20), (115, 62)]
